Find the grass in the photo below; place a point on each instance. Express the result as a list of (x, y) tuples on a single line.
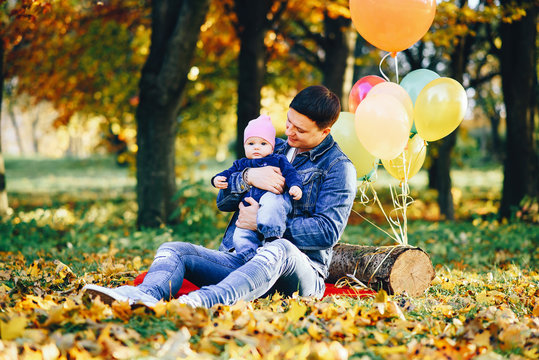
[(67, 205)]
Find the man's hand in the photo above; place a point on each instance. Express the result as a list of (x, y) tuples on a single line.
[(247, 216), (220, 182), (295, 192), (267, 178)]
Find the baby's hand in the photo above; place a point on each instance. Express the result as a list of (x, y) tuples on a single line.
[(295, 192), (220, 182)]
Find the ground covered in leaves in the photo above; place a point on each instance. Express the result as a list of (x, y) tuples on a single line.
[(464, 315), (483, 303)]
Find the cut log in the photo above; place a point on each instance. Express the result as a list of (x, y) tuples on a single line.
[(396, 269)]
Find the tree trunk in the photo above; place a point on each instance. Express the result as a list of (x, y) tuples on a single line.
[(13, 119), (518, 60), (496, 143), (441, 174), (337, 49), (3, 192), (175, 30), (252, 27), (442, 170), (35, 139), (396, 269)]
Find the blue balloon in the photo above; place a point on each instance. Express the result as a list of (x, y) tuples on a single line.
[(416, 80)]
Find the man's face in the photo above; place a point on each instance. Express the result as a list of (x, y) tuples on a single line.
[(302, 132), (256, 148)]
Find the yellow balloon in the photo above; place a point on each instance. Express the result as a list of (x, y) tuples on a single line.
[(344, 133), (398, 92), (382, 125), (439, 108), (414, 157)]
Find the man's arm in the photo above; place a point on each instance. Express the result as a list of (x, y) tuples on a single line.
[(229, 198), (324, 227), (290, 173), (267, 178)]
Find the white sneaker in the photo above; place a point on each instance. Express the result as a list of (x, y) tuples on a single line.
[(131, 294)]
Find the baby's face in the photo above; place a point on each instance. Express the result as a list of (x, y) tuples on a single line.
[(256, 148)]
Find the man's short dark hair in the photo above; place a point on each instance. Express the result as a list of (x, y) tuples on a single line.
[(319, 104)]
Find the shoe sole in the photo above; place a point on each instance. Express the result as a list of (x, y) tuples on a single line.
[(107, 299)]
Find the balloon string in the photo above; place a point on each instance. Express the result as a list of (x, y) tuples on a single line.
[(380, 66), (391, 223), (397, 66)]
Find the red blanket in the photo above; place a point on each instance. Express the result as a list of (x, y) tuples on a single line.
[(331, 289)]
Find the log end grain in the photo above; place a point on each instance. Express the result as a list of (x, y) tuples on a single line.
[(412, 273)]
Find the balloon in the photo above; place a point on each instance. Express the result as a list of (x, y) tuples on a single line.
[(414, 157), (343, 131), (392, 25), (360, 90), (382, 125), (439, 108), (398, 92), (416, 80)]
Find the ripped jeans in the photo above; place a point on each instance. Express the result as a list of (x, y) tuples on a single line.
[(225, 278), (271, 223)]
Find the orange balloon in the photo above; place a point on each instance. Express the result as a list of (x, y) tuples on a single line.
[(392, 25)]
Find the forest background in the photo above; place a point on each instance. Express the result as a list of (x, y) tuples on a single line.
[(115, 115)]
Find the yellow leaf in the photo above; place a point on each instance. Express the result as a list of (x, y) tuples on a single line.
[(448, 285), (122, 310), (483, 297), (394, 310), (531, 353), (295, 311), (482, 339), (380, 301), (381, 297), (381, 338), (4, 288), (391, 350), (34, 269), (63, 270), (137, 263), (315, 332), (13, 329)]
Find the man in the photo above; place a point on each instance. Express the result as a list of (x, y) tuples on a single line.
[(297, 262)]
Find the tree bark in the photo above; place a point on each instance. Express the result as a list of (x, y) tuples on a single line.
[(518, 60), (337, 49), (396, 269), (175, 30), (3, 192), (252, 27)]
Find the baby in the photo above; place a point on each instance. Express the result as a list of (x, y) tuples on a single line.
[(259, 141)]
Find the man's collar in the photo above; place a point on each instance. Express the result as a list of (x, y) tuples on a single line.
[(315, 152)]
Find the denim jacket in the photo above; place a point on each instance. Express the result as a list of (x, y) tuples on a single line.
[(318, 219)]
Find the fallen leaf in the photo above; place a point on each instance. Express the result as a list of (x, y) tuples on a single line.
[(13, 329)]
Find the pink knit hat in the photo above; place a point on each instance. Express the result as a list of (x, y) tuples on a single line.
[(260, 127)]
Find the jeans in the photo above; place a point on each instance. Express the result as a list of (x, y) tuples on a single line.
[(226, 277), (271, 222)]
